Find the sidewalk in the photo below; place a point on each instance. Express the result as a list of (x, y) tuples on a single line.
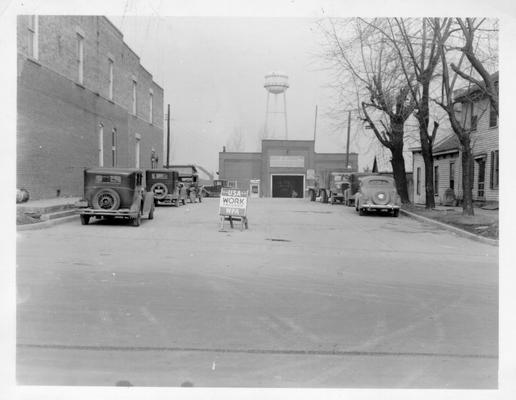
[(36, 214), (483, 226)]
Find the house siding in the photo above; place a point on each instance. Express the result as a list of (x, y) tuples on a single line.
[(484, 140)]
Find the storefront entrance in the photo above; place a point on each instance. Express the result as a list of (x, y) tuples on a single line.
[(288, 186)]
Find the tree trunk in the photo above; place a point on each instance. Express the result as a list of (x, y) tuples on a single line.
[(428, 159), (467, 177), (399, 173)]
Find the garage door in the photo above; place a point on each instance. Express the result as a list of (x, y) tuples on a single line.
[(287, 186)]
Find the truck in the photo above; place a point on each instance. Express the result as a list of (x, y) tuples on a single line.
[(214, 189), (328, 186), (189, 180)]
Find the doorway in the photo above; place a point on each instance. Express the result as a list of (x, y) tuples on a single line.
[(292, 186)]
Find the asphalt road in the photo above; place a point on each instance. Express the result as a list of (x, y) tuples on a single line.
[(312, 295)]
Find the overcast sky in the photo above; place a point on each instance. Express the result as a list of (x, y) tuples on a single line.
[(212, 70)]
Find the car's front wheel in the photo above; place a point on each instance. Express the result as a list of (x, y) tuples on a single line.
[(395, 213)]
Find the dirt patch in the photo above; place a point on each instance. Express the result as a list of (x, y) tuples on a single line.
[(23, 218), (482, 223)]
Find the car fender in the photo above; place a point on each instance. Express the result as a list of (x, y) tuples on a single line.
[(148, 202)]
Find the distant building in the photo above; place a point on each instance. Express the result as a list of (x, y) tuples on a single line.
[(478, 116), (84, 100), (282, 168)]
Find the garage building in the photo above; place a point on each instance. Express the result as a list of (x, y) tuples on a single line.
[(282, 168)]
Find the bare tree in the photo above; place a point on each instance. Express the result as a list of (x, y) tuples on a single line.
[(418, 44), (486, 85), (236, 142), (367, 64)]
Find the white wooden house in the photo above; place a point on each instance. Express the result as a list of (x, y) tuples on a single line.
[(476, 114)]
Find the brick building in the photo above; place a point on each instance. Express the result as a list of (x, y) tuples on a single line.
[(281, 167), (84, 100), (480, 118)]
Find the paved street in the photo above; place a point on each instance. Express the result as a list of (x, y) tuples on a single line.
[(312, 295)]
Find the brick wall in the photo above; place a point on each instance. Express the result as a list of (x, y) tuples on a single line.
[(59, 120)]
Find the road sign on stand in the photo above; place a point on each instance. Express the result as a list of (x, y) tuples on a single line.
[(233, 207)]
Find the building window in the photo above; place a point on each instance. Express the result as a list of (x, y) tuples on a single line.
[(137, 151), (495, 163), (33, 48), (111, 77), (493, 116), (154, 159), (151, 100), (113, 148), (80, 59), (436, 180), (418, 181), (101, 145), (452, 175), (474, 118), (134, 97)]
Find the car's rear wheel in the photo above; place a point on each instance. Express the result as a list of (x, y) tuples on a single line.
[(85, 219), (106, 199)]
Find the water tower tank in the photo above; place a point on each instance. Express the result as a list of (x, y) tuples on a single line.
[(276, 82)]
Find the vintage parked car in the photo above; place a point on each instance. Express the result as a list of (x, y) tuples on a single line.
[(339, 182), (377, 193), (190, 179), (165, 185), (115, 193), (354, 184)]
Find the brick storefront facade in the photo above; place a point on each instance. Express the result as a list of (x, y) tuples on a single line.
[(281, 158), (66, 123)]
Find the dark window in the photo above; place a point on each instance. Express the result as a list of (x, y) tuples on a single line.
[(495, 162), (474, 119), (436, 179), (159, 175), (493, 116), (115, 179), (418, 181), (481, 177), (375, 182), (113, 147), (452, 175)]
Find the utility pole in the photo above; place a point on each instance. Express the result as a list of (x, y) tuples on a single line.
[(168, 136), (347, 144), (315, 124)]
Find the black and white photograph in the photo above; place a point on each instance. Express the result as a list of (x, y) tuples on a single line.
[(301, 198)]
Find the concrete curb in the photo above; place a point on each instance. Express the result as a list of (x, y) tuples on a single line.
[(458, 231), (47, 224)]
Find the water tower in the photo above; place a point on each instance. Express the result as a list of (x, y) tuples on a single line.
[(276, 83)]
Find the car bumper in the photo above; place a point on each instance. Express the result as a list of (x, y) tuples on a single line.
[(170, 198), (380, 207), (124, 212)]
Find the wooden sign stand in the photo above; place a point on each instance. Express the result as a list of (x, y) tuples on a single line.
[(231, 219), (233, 207)]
